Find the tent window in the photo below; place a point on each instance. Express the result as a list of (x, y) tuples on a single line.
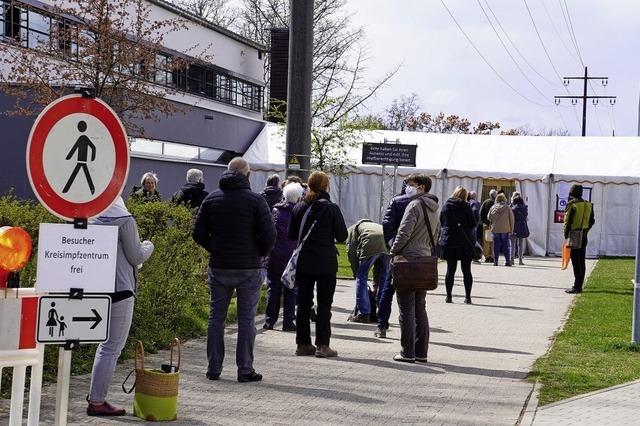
[(507, 185)]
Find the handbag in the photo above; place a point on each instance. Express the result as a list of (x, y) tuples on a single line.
[(488, 235), (156, 397), (476, 249), (575, 237), (416, 273), (288, 277)]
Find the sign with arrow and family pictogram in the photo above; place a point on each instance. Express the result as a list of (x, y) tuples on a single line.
[(61, 319)]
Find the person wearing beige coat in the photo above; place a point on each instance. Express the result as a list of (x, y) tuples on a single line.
[(502, 221), (413, 239)]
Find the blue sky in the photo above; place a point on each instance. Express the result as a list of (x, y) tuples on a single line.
[(443, 69)]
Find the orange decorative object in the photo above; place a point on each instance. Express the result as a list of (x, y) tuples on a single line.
[(566, 256), (15, 248)]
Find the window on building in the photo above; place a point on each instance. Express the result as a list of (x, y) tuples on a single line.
[(11, 17), (38, 29)]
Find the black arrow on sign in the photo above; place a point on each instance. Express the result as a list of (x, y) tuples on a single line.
[(97, 318)]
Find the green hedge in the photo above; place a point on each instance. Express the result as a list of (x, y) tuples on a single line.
[(173, 298)]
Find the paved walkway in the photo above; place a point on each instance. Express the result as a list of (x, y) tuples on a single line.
[(613, 406), (479, 357)]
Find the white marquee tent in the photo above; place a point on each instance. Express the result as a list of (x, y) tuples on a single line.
[(541, 168)]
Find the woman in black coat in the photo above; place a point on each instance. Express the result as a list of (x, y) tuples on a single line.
[(317, 263), (456, 226)]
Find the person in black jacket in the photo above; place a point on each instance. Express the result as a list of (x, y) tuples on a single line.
[(487, 246), (457, 225), (192, 193), (317, 263), (234, 225), (272, 191), (390, 225)]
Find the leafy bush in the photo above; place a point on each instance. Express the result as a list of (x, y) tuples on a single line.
[(172, 297)]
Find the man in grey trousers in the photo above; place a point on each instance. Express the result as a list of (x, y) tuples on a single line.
[(234, 225)]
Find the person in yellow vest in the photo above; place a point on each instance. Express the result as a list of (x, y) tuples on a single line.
[(578, 215)]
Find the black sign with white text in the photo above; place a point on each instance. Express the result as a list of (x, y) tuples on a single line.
[(389, 154)]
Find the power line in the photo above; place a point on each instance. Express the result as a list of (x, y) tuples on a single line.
[(485, 59), (572, 32), (508, 52), (516, 47), (541, 41), (535, 27), (558, 32)]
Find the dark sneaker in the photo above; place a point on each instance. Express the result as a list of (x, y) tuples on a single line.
[(448, 299), (521, 263), (380, 332), (251, 377), (421, 359), (325, 351), (399, 357), (306, 350), (362, 318), (467, 300), (214, 376), (289, 327), (573, 290), (267, 326), (105, 409), (507, 264)]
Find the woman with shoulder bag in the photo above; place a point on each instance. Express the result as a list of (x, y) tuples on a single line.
[(457, 224), (317, 263), (520, 227), (413, 240)]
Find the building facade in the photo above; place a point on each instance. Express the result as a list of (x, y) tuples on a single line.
[(219, 102)]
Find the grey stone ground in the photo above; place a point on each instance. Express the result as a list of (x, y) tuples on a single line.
[(614, 406), (479, 357)]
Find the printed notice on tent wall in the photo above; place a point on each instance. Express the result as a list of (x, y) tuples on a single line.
[(77, 258)]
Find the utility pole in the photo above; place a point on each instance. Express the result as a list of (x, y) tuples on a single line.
[(298, 151), (585, 96)]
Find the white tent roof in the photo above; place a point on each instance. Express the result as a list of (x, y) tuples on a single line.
[(589, 159)]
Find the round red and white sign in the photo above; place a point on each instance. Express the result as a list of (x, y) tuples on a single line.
[(77, 157)]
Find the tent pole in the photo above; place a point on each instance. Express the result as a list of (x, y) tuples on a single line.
[(444, 185), (549, 210), (636, 290)]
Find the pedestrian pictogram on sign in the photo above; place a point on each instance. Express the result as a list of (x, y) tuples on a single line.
[(77, 157), (85, 320)]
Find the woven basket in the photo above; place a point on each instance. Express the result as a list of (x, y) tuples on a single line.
[(156, 396)]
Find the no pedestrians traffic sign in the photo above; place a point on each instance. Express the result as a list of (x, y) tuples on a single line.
[(77, 157), (85, 320)]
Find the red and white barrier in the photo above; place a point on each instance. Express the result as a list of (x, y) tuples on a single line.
[(19, 350)]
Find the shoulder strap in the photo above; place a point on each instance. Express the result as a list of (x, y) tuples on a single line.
[(426, 219), (304, 219)]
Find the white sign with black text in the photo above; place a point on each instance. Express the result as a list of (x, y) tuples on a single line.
[(77, 258), (85, 320)]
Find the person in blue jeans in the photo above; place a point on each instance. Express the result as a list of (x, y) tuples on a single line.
[(390, 225), (365, 246), (234, 225), (502, 222)]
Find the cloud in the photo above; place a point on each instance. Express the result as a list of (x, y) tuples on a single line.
[(443, 96)]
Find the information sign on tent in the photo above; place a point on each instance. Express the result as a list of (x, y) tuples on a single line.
[(77, 157), (389, 154)]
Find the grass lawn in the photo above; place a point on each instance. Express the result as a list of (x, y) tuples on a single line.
[(593, 351), (344, 270)]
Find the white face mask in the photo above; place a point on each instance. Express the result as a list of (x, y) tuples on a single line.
[(411, 191)]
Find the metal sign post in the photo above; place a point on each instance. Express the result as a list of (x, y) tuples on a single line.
[(635, 333)]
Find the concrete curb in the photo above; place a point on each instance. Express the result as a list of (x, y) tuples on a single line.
[(587, 395)]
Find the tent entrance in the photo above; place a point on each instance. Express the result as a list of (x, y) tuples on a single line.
[(507, 185)]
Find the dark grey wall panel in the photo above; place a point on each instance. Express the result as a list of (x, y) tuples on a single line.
[(171, 175), (202, 127), (225, 132)]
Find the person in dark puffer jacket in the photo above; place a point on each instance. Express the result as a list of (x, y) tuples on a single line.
[(277, 262), (234, 225), (272, 192), (192, 193), (457, 225), (390, 225), (317, 263)]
